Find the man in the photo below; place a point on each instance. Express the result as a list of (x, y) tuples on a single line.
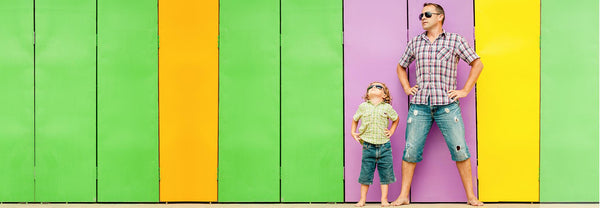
[(435, 97)]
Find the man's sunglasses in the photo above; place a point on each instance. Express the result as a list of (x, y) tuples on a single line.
[(378, 87), (427, 14)]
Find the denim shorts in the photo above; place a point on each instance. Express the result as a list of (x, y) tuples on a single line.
[(380, 156), (449, 120)]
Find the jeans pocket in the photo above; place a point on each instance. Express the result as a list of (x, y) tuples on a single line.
[(455, 108)]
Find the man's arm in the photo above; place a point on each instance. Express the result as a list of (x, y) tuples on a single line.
[(476, 68), (403, 77)]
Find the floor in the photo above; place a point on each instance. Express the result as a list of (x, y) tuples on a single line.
[(292, 205)]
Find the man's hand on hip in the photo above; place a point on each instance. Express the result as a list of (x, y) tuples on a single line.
[(412, 91), (457, 94)]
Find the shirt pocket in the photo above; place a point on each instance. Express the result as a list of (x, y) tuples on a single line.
[(383, 115), (444, 54)]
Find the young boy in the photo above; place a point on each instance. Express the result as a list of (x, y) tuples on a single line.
[(374, 136)]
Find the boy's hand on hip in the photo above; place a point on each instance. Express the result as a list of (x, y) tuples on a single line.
[(456, 94), (389, 133), (356, 136)]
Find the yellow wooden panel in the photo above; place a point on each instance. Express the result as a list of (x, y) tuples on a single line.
[(188, 99), (508, 94)]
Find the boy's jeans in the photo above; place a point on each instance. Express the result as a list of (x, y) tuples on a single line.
[(380, 156)]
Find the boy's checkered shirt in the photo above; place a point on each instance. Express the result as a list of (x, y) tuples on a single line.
[(374, 121)]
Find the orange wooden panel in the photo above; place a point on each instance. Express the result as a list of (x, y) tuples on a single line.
[(188, 99)]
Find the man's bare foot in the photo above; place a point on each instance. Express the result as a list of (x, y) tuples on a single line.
[(474, 202), (401, 201), (385, 203), (360, 203)]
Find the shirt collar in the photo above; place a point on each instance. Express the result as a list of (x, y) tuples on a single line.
[(424, 34), (382, 102)]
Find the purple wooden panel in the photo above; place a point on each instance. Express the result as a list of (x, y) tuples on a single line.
[(375, 36), (436, 178)]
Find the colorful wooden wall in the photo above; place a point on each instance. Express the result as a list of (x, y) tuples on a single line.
[(569, 124), (508, 123), (374, 39), (250, 101), (188, 99)]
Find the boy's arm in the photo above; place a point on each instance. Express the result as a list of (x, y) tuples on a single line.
[(355, 135), (392, 115), (390, 132)]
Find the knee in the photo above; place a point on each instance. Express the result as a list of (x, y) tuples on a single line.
[(460, 153), (412, 155)]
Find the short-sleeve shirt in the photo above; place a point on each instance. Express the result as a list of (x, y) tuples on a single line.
[(436, 65), (374, 121)]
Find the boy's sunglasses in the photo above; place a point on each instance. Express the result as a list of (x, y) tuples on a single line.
[(427, 14), (378, 87)]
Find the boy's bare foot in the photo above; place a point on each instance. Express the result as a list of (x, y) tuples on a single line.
[(401, 201), (360, 204), (474, 202), (385, 203)]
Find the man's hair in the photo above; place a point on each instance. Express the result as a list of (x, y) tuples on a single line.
[(438, 8)]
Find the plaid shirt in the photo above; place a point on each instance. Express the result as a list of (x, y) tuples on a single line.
[(375, 120), (436, 65)]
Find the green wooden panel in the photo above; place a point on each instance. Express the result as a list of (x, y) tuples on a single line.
[(65, 100), (127, 101), (312, 101), (16, 108), (569, 101), (249, 101)]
